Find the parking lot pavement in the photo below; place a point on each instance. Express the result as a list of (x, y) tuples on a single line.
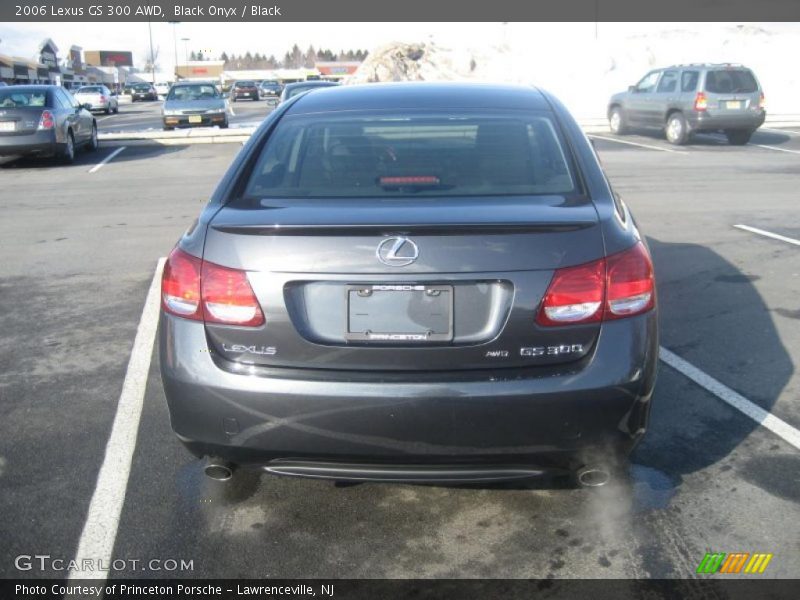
[(146, 116), (77, 252), (707, 477)]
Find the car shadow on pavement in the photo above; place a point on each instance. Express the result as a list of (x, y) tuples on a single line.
[(770, 138), (711, 315)]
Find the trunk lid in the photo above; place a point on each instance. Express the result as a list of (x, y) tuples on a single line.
[(19, 121), (482, 267)]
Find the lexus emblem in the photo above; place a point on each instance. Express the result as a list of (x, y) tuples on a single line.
[(397, 252)]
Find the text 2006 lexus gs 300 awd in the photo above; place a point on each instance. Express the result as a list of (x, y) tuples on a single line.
[(412, 282)]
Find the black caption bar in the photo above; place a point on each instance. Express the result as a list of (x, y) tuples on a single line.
[(419, 589), (407, 10)]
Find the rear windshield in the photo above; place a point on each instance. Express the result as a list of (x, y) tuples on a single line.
[(731, 81), (324, 156), (141, 86), (89, 90), (192, 92), (15, 98), (245, 84)]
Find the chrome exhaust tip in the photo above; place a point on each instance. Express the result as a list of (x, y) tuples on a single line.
[(218, 470), (593, 476)]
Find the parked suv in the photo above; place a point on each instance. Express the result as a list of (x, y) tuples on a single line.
[(684, 99), (394, 286)]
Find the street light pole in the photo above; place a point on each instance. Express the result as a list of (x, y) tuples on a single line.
[(152, 58), (185, 49), (175, 44)]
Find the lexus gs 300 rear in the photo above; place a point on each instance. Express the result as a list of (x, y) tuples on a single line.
[(412, 282)]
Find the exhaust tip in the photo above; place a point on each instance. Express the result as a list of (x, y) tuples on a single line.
[(593, 476), (218, 470)]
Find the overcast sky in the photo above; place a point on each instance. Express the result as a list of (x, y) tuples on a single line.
[(22, 39)]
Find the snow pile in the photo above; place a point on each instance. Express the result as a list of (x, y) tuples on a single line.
[(584, 70)]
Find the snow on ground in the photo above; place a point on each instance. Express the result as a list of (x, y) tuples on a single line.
[(584, 66)]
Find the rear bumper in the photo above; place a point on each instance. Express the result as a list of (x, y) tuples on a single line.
[(750, 120), (205, 121), (519, 419), (39, 143)]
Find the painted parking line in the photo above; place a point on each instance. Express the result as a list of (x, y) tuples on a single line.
[(106, 160), (609, 139), (775, 148), (769, 234), (100, 530), (777, 426)]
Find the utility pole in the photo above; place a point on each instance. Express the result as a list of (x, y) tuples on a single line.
[(186, 48), (175, 44), (152, 58)]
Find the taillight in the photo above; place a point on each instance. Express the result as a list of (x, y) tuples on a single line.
[(575, 295), (228, 297), (102, 98), (700, 102), (619, 286), (631, 286), (46, 121), (762, 102), (180, 285), (195, 289)]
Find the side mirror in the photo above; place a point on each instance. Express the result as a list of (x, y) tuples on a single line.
[(632, 89)]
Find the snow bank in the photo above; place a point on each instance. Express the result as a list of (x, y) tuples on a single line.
[(584, 70)]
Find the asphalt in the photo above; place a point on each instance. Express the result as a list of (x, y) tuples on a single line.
[(77, 254)]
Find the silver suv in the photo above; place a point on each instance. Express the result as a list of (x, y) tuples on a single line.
[(684, 99)]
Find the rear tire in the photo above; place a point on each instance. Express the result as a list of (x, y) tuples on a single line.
[(108, 110), (617, 122), (677, 130), (93, 144), (67, 154), (738, 137)]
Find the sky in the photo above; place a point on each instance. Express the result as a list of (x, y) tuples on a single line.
[(22, 39)]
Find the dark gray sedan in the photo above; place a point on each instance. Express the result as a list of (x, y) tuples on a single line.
[(44, 120), (392, 285)]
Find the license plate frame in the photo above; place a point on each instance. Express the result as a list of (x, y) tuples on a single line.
[(8, 126), (400, 296), (194, 119), (734, 105)]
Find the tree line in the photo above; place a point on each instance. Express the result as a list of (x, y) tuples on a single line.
[(293, 59)]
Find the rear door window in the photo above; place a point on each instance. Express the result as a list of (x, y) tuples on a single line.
[(731, 81), (327, 156), (689, 81)]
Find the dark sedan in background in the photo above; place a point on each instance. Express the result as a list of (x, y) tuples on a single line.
[(244, 89), (392, 285), (143, 91), (44, 120)]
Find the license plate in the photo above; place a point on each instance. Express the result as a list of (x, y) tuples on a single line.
[(8, 126), (195, 119), (733, 104), (399, 313)]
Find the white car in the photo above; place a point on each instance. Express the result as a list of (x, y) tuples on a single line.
[(97, 97), (162, 89)]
